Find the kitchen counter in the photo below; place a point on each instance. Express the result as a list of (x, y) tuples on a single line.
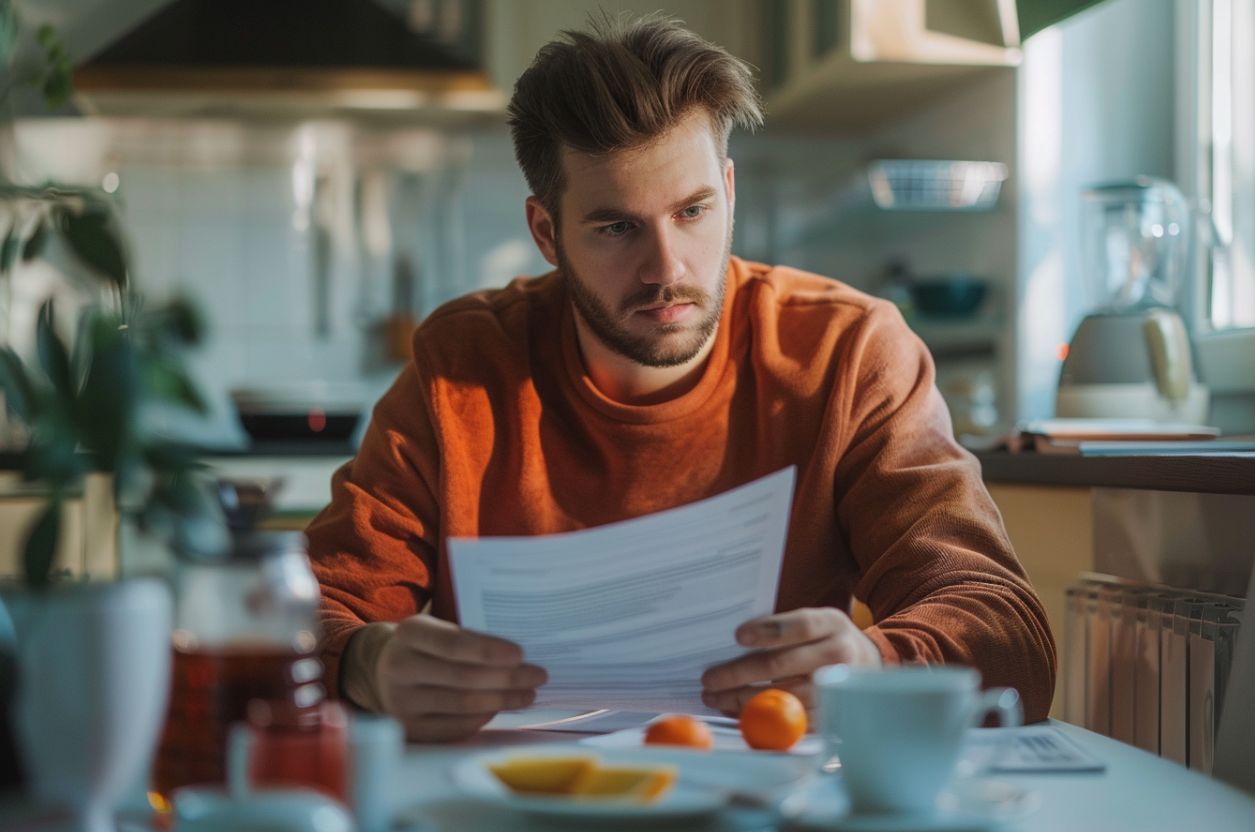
[(290, 447), (1204, 473), (12, 460)]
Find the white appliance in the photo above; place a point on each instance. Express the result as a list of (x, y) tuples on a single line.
[(1131, 357)]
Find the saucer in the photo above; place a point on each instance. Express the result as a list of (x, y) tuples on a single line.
[(971, 806)]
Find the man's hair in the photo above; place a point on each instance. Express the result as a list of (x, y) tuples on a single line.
[(618, 86)]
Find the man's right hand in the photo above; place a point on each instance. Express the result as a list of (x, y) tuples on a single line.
[(440, 681)]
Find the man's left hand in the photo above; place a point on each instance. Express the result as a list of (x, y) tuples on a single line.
[(790, 646)]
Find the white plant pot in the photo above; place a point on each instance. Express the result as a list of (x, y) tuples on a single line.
[(93, 680)]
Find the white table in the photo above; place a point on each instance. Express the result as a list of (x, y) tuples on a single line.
[(1138, 792)]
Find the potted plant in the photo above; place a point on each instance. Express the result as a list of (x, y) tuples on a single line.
[(92, 657)]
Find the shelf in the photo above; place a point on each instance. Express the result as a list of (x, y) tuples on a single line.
[(843, 95), (852, 65), (951, 338)]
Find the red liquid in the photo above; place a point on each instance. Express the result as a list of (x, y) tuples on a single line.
[(284, 754), (210, 690)]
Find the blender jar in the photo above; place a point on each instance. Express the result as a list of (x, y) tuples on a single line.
[(1134, 244)]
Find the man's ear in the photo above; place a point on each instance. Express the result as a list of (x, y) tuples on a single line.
[(544, 230), (729, 181)]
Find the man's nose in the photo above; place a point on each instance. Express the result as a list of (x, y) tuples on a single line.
[(663, 265)]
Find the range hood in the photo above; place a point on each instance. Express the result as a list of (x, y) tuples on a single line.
[(294, 58)]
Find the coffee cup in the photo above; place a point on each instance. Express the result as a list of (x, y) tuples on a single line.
[(898, 732)]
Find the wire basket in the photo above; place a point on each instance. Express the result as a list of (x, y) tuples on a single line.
[(935, 185)]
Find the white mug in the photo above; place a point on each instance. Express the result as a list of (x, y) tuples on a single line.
[(898, 732)]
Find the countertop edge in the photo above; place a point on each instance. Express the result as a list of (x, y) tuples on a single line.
[(1209, 474)]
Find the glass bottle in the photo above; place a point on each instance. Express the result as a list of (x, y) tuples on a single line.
[(244, 629)]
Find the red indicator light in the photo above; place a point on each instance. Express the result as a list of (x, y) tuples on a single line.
[(317, 420), (1062, 352)]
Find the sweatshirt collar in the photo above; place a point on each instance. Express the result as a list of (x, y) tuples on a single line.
[(712, 372)]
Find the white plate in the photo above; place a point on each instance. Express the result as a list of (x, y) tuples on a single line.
[(973, 806), (706, 782)]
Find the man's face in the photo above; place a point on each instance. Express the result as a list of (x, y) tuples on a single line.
[(643, 243)]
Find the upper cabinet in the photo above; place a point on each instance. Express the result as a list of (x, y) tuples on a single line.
[(515, 30), (831, 65), (851, 65), (845, 65)]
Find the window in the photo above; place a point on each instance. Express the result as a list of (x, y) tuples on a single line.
[(1226, 164)]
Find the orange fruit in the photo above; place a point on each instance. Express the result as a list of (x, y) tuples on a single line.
[(773, 720), (643, 783), (542, 775), (679, 730)]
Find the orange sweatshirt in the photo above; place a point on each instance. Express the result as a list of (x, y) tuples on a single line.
[(496, 429)]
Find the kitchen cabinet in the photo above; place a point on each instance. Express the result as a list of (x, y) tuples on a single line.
[(1051, 530), (851, 65), (1057, 512), (844, 65), (515, 30)]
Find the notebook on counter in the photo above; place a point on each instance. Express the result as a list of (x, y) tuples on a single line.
[(1126, 437), (1039, 749)]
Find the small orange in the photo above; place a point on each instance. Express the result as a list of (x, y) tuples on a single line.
[(679, 730), (773, 720)]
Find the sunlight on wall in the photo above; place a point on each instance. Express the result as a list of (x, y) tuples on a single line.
[(1095, 105), (1042, 312)]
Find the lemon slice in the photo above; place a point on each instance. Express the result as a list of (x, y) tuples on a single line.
[(645, 784), (542, 775)]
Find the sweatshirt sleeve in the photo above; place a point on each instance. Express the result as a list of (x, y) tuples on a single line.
[(373, 547), (937, 568)]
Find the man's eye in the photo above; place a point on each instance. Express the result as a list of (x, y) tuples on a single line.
[(615, 229), (693, 212)]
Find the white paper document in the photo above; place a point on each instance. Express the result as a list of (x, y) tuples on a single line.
[(628, 615)]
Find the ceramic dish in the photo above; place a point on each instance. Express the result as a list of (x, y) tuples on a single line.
[(974, 806), (705, 784)]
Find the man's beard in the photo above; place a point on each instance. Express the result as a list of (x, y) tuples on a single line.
[(651, 349)]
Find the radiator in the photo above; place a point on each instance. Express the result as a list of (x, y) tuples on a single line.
[(1148, 665)]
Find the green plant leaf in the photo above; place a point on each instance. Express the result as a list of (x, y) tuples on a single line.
[(19, 393), (35, 243), (92, 239), (172, 457), (168, 382), (53, 354), (58, 84), (182, 322), (46, 35), (181, 495), (53, 457), (8, 252), (8, 30), (106, 410), (41, 545)]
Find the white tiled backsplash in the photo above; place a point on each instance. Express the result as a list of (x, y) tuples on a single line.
[(234, 238), (227, 213)]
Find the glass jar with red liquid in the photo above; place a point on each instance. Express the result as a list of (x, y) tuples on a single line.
[(245, 629)]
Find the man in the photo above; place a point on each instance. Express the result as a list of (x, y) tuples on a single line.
[(648, 371)]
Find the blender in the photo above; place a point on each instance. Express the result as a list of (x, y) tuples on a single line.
[(1131, 355)]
